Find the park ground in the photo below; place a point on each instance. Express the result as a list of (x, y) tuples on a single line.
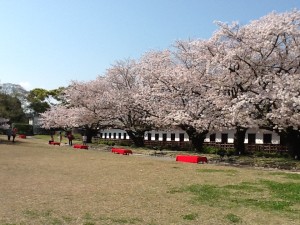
[(45, 184)]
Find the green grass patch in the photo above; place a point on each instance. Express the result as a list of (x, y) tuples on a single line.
[(190, 216), (216, 171), (67, 219), (56, 221), (8, 224), (285, 191), (89, 223), (269, 205), (87, 216), (267, 195), (35, 214), (292, 176), (227, 172), (125, 220), (206, 193), (244, 186), (233, 218)]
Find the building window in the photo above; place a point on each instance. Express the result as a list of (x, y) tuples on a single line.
[(101, 135), (172, 137), (251, 139), (115, 135), (105, 135), (120, 135), (181, 137), (156, 137), (212, 138), (109, 135), (124, 136), (149, 136), (224, 138), (282, 140), (164, 137), (267, 138)]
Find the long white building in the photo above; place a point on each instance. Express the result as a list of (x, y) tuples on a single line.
[(253, 136)]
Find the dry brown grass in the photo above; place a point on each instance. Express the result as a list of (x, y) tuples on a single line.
[(43, 184)]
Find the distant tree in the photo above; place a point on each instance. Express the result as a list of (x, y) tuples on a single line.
[(3, 123), (15, 90), (11, 108), (41, 100)]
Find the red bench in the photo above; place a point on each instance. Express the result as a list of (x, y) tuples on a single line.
[(81, 146), (191, 158), (54, 143), (121, 151), (22, 136)]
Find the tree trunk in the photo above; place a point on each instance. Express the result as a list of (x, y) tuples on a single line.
[(239, 139), (293, 142), (89, 132), (197, 138), (89, 135), (137, 137)]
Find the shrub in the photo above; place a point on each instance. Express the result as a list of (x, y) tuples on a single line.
[(23, 128), (221, 153), (124, 143), (210, 150), (230, 152), (105, 142), (77, 136)]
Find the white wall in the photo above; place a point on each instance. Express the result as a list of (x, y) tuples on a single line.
[(176, 132), (259, 135), (112, 131)]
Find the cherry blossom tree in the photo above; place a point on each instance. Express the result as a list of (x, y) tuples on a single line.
[(262, 60), (86, 104), (127, 110), (241, 77), (179, 87)]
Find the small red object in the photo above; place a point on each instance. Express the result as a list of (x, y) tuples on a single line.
[(54, 143), (121, 151), (81, 146), (191, 158)]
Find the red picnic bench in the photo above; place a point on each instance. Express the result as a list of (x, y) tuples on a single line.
[(23, 136), (80, 146), (121, 151), (54, 143), (191, 158)]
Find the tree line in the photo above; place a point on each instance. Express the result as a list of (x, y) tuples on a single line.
[(18, 104), (244, 76)]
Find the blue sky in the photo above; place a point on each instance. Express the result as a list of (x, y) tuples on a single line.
[(48, 43)]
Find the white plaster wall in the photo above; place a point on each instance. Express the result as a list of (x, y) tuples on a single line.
[(259, 135), (219, 136), (231, 136), (112, 131), (160, 138), (275, 138)]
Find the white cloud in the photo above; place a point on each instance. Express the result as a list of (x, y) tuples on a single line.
[(26, 85)]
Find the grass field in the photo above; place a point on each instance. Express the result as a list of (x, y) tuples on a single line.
[(43, 184)]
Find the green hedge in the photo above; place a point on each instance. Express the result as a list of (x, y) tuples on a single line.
[(104, 142), (23, 128)]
